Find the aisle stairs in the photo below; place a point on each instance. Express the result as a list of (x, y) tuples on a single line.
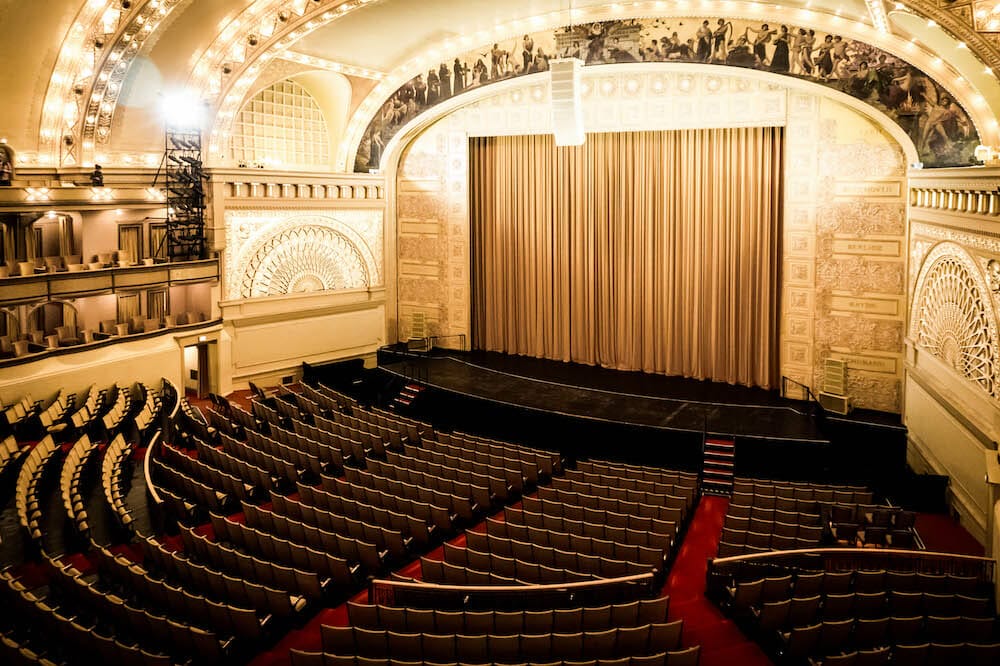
[(718, 466)]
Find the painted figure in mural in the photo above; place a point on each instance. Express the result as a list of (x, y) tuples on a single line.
[(740, 54), (723, 28), (761, 39), (541, 61), (595, 48), (527, 53), (496, 55), (444, 76), (420, 90), (704, 42), (839, 55), (433, 87), (779, 60), (480, 74), (459, 71), (652, 52), (943, 124), (824, 63)]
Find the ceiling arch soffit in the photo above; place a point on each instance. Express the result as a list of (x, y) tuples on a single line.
[(274, 26)]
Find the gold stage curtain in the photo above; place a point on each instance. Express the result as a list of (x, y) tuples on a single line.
[(651, 251)]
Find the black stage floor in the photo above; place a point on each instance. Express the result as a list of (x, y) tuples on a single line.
[(587, 408)]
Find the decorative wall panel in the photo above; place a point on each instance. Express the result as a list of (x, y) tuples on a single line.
[(283, 252), (953, 318)]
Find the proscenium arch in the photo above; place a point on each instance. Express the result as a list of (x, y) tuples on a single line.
[(396, 148)]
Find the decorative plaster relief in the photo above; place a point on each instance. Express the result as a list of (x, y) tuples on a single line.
[(953, 320), (275, 252)]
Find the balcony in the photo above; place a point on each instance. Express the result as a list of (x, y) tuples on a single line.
[(62, 285)]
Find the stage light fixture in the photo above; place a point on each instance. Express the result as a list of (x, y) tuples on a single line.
[(183, 111)]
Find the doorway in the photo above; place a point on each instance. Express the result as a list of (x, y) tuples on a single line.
[(199, 379)]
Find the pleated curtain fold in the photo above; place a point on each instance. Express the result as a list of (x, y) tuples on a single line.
[(651, 251)]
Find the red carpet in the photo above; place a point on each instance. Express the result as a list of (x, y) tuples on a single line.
[(943, 534), (722, 644)]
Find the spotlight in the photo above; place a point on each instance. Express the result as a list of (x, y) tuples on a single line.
[(183, 111)]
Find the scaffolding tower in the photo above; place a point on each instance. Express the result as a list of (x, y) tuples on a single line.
[(185, 195)]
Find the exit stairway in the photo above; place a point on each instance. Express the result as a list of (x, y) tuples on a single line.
[(718, 466)]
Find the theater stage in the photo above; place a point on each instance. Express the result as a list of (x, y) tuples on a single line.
[(589, 411)]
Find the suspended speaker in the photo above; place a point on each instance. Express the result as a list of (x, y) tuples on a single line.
[(567, 109)]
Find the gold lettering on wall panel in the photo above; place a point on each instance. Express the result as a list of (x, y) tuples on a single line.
[(862, 305), (857, 246), (868, 188), (881, 364)]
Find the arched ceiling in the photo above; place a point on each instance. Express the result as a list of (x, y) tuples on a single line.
[(83, 77)]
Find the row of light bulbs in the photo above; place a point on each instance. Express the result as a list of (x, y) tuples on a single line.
[(230, 51)]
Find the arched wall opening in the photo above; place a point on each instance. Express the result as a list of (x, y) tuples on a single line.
[(843, 288)]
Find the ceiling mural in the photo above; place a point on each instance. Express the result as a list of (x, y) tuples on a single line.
[(939, 127)]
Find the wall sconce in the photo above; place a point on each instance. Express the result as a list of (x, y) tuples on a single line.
[(988, 155)]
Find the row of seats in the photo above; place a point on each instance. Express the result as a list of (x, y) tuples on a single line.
[(865, 597), (496, 467), (413, 526), (568, 542), (674, 514), (391, 542), (549, 464), (464, 470), (33, 471), (818, 642), (559, 620), (194, 607), (302, 582), (355, 550), (584, 561), (642, 537), (503, 649), (603, 490), (219, 585), (458, 508), (686, 657), (70, 478), (343, 577), (683, 487), (477, 487), (528, 571), (396, 497), (579, 513), (617, 470), (466, 499)]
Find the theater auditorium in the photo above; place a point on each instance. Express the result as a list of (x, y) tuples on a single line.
[(400, 332)]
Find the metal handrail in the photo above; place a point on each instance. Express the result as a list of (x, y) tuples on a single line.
[(810, 396), (848, 559), (390, 592)]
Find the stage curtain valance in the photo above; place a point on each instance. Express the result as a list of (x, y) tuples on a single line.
[(652, 251)]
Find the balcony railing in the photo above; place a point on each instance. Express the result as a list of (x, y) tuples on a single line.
[(48, 286), (37, 352)]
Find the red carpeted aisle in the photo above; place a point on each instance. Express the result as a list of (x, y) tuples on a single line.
[(722, 643)]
